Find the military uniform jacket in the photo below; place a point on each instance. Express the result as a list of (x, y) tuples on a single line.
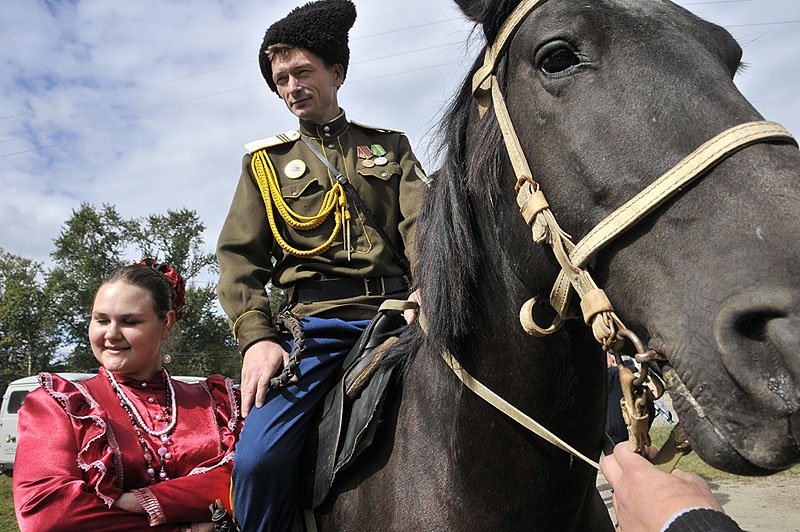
[(391, 185)]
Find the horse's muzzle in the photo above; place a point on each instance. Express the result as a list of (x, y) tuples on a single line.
[(757, 333)]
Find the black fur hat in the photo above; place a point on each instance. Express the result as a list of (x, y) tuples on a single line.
[(320, 27)]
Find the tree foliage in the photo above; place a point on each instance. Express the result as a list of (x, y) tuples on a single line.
[(206, 345), (44, 313), (28, 341), (88, 249), (176, 238)]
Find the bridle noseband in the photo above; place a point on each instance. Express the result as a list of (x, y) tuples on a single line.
[(598, 312)]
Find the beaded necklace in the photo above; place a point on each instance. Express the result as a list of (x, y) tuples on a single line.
[(170, 417)]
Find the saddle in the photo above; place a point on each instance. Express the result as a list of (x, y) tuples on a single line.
[(352, 409)]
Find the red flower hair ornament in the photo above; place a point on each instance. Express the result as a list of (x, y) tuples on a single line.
[(175, 281)]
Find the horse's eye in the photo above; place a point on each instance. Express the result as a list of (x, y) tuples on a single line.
[(558, 60)]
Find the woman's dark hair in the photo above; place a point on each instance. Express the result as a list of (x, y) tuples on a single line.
[(165, 285)]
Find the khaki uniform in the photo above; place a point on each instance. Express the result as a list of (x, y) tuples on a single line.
[(392, 187)]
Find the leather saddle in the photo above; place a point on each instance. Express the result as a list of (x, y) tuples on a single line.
[(351, 410)]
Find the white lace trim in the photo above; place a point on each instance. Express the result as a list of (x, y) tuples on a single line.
[(46, 381)]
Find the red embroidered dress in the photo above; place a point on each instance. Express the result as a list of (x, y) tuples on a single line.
[(78, 452)]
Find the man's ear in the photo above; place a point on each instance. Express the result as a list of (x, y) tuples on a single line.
[(338, 73)]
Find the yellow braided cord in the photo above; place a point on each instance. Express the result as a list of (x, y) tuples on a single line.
[(335, 200)]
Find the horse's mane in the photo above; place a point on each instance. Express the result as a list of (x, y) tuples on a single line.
[(451, 253)]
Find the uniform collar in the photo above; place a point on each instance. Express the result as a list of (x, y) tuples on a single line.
[(330, 130)]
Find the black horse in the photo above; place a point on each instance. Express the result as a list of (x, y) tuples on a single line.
[(605, 95)]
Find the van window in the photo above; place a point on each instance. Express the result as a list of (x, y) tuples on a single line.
[(15, 400)]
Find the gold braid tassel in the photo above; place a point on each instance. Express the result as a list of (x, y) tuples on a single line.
[(335, 201)]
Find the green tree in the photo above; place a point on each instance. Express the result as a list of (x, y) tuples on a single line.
[(28, 340), (88, 249), (206, 345), (176, 238), (92, 245)]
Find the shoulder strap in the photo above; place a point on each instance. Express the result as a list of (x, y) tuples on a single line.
[(351, 192), (281, 138)]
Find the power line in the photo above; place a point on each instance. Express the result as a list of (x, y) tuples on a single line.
[(227, 108), (762, 24), (226, 67), (714, 2), (406, 28), (217, 93), (226, 91)]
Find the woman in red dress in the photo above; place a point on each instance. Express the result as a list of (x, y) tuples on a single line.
[(129, 449)]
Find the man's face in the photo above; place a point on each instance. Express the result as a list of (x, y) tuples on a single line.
[(307, 85)]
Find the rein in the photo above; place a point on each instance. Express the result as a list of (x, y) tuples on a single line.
[(598, 312)]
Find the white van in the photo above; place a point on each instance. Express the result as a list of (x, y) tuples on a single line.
[(12, 401)]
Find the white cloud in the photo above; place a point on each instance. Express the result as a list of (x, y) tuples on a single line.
[(146, 104)]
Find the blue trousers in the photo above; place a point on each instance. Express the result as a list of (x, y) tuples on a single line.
[(267, 460)]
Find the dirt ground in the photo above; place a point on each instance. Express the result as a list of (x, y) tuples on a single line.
[(770, 504)]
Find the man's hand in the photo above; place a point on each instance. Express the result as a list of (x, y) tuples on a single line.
[(411, 314), (645, 497), (262, 361)]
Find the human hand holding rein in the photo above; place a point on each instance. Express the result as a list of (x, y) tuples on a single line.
[(645, 497)]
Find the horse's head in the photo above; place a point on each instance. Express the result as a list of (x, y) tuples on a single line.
[(605, 96)]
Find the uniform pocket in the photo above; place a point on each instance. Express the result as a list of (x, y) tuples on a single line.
[(384, 173), (296, 190)]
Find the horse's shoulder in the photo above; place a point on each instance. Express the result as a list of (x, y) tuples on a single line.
[(275, 140), (375, 128)]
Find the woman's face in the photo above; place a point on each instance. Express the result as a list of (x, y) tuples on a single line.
[(126, 332)]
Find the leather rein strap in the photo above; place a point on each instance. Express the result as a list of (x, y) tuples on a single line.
[(598, 311)]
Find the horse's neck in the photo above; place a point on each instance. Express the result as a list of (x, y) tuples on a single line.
[(471, 449)]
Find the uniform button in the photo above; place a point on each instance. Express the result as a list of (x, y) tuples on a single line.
[(326, 128), (330, 145), (151, 400), (144, 385), (327, 134), (384, 174)]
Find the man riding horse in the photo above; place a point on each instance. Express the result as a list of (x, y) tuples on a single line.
[(327, 212)]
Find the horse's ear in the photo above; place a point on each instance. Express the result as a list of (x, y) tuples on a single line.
[(488, 13), (475, 10)]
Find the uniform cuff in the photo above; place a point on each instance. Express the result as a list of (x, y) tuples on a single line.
[(252, 327), (700, 520)]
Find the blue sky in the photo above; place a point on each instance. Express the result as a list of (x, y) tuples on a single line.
[(145, 104)]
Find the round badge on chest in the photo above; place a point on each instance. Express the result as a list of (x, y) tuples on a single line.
[(295, 169), (381, 161), (367, 163)]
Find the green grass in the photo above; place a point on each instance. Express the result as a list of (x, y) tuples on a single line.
[(7, 519), (694, 464)]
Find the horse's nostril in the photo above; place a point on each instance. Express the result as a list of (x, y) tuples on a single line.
[(758, 337), (753, 325)]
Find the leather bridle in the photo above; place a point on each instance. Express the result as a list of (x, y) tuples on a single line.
[(598, 312)]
